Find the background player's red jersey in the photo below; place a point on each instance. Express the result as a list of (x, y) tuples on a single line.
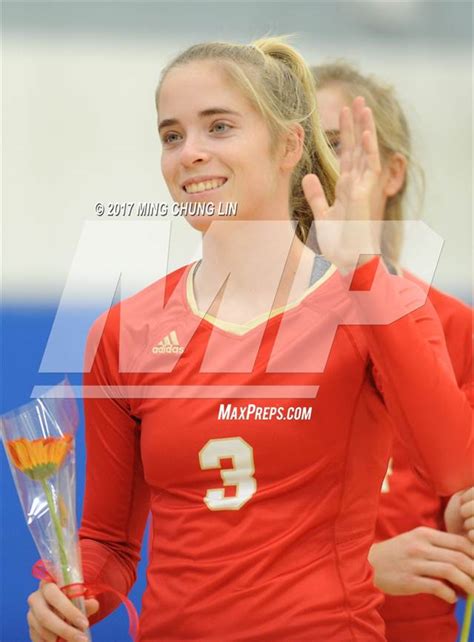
[(409, 501), (260, 451)]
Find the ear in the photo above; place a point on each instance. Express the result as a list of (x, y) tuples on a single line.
[(292, 147), (396, 170)]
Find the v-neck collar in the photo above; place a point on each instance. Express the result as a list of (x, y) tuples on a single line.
[(240, 329)]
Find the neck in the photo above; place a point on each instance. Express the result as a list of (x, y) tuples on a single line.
[(250, 267)]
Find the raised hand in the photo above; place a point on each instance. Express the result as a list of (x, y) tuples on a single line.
[(345, 229), (423, 560)]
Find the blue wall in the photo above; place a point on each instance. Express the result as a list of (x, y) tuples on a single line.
[(25, 331), (24, 335)]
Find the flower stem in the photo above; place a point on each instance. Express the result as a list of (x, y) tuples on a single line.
[(59, 533), (466, 625)]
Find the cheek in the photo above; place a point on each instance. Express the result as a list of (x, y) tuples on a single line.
[(163, 167), (167, 168)]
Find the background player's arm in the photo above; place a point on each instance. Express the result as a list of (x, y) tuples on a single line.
[(422, 561)]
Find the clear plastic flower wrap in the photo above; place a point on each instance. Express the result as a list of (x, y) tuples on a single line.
[(39, 440)]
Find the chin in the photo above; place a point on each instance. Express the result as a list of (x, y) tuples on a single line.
[(199, 223)]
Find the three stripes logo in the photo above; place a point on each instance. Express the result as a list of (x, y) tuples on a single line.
[(168, 345)]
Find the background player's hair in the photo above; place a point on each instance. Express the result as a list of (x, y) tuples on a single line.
[(393, 134), (277, 81)]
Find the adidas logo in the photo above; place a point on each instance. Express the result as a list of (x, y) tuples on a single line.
[(168, 345)]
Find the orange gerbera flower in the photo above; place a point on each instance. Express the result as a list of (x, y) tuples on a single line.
[(39, 458)]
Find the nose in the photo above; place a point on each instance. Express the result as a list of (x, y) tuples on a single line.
[(193, 152)]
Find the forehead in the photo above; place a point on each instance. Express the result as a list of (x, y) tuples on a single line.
[(196, 86), (331, 99)]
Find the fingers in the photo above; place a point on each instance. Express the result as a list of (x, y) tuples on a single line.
[(450, 558), (358, 136), (467, 510), (358, 159), (37, 632), (56, 598), (92, 606), (358, 106), (347, 139), (366, 137), (369, 141), (451, 541), (469, 523), (469, 527), (314, 194), (435, 587), (448, 572), (455, 558), (45, 624), (467, 496)]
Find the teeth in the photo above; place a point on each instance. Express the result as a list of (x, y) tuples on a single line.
[(194, 188)]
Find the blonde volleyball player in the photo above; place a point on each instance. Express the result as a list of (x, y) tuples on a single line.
[(259, 447)]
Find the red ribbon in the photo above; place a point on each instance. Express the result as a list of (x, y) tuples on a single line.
[(88, 591)]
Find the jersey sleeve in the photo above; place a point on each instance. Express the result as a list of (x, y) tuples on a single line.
[(467, 380), (413, 372), (116, 502)]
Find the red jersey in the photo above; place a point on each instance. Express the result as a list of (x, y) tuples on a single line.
[(408, 501), (260, 451)]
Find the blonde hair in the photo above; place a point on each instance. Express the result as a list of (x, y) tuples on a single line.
[(274, 77), (393, 133)]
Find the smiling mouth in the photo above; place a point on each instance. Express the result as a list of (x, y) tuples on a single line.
[(204, 186)]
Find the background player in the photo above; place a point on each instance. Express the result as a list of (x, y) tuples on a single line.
[(418, 532), (283, 555)]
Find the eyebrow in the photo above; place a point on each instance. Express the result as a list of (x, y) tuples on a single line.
[(212, 111)]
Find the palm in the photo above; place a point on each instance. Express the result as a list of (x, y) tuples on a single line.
[(343, 229)]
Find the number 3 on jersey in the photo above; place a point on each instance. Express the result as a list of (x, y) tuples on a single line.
[(240, 476)]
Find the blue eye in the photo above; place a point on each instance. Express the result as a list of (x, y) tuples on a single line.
[(168, 138), (220, 127)]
